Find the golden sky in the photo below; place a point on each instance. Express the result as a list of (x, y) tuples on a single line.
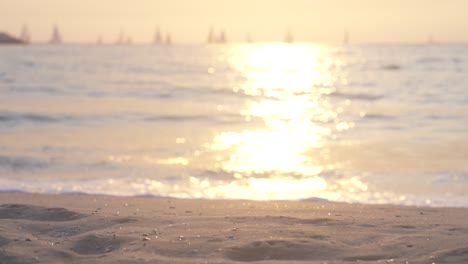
[(189, 21)]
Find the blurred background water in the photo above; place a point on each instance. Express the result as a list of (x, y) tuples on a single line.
[(267, 121)]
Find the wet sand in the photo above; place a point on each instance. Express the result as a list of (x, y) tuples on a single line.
[(102, 229)]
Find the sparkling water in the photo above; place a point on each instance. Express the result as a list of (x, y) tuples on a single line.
[(267, 121)]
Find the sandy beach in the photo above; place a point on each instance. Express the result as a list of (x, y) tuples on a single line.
[(102, 229)]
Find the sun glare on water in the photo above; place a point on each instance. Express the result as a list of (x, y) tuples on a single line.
[(287, 84), (282, 148)]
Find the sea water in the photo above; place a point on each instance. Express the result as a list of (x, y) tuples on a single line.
[(383, 124)]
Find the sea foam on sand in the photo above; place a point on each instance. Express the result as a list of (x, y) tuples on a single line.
[(103, 229)]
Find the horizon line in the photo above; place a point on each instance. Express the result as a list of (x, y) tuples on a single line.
[(335, 43)]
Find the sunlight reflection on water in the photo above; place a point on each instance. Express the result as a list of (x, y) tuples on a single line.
[(275, 162), (256, 121)]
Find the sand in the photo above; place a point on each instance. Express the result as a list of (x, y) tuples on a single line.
[(101, 229)]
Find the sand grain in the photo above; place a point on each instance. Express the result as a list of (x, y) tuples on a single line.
[(101, 229)]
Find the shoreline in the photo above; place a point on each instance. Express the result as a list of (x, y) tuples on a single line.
[(48, 228), (302, 200)]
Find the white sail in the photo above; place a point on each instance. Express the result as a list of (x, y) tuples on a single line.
[(346, 37), (120, 38), (222, 37), (211, 39), (289, 37), (56, 36), (157, 36), (25, 36), (248, 39), (168, 40)]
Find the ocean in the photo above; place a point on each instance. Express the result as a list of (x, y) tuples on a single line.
[(378, 124)]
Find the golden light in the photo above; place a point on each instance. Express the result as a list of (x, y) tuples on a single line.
[(270, 68), (282, 149), (287, 84), (263, 151), (275, 188)]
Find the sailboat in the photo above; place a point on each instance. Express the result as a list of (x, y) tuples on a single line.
[(120, 38), (248, 39), (25, 36), (289, 37), (129, 41), (99, 40), (430, 39), (56, 37), (222, 38), (168, 40), (210, 39), (157, 37), (346, 37)]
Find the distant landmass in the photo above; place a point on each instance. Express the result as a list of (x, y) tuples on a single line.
[(7, 39)]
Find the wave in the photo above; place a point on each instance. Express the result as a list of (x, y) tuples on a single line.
[(19, 118), (357, 96), (36, 90), (22, 163), (28, 117), (379, 117), (224, 119), (391, 67), (250, 189), (428, 60), (444, 117)]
